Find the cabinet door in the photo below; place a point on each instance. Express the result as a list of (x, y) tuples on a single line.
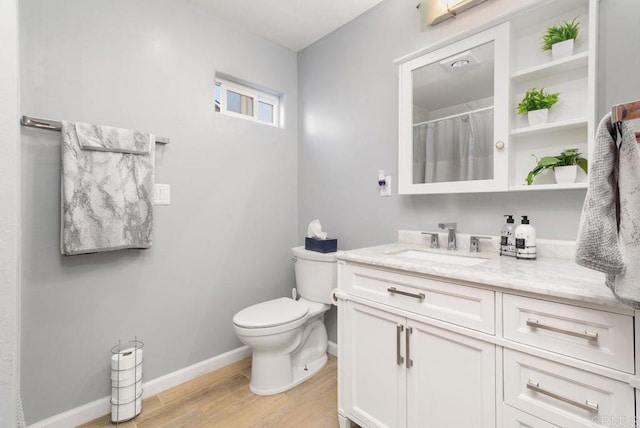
[(453, 121), (375, 372), (451, 379)]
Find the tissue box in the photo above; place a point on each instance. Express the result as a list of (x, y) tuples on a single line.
[(321, 245)]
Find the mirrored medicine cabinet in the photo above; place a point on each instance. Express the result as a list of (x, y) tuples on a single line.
[(453, 116), (459, 131)]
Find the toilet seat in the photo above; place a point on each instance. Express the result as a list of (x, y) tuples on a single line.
[(272, 313)]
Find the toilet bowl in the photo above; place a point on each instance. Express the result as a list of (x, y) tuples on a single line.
[(288, 337)]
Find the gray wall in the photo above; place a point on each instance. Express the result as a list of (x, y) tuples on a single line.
[(618, 58), (348, 98), (9, 218), (222, 245)]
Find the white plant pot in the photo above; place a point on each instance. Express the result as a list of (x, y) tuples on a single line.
[(562, 49), (538, 117), (566, 174)]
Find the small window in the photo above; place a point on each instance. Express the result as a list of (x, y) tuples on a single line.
[(249, 103)]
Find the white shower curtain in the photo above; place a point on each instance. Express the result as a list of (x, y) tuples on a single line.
[(455, 149)]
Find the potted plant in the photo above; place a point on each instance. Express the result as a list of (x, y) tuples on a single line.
[(560, 39), (536, 104), (565, 166)]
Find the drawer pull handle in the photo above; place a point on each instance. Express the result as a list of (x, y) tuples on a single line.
[(394, 290), (587, 405), (586, 335), (399, 358)]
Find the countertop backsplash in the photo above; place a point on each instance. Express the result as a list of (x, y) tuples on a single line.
[(556, 249)]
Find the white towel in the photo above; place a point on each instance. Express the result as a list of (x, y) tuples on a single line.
[(107, 188), (609, 234)]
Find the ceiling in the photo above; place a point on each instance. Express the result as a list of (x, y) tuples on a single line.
[(294, 24)]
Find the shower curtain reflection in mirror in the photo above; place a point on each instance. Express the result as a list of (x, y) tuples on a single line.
[(455, 148)]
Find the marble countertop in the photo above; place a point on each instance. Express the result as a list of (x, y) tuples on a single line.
[(547, 276)]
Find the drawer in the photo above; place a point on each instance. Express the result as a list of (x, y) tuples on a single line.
[(564, 395), (599, 337), (514, 418), (458, 304)]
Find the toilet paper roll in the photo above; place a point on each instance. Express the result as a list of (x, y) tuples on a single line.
[(126, 394), (126, 377), (124, 412), (126, 359)]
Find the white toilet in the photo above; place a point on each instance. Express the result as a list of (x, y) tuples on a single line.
[(288, 337)]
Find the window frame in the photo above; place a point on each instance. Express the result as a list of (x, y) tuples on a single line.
[(255, 94)]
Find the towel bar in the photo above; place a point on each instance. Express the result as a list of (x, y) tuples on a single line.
[(54, 125)]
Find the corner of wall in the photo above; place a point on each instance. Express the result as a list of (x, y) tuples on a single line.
[(10, 413)]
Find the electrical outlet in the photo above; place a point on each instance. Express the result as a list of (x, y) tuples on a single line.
[(162, 194)]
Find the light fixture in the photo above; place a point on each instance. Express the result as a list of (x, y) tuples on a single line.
[(460, 63), (433, 12)]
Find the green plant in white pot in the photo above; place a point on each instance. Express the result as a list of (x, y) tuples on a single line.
[(536, 104), (560, 39), (565, 166)]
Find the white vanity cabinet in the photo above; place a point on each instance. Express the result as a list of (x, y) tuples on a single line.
[(402, 371), (418, 350)]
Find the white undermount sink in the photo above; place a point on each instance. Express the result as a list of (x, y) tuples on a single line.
[(461, 260)]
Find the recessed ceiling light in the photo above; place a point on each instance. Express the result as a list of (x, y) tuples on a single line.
[(460, 63)]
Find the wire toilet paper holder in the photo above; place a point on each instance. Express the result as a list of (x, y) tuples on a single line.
[(131, 347)]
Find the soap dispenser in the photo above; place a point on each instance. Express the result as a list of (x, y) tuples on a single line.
[(507, 237), (525, 240)]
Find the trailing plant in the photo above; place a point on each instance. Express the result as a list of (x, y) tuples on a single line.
[(566, 158), (536, 99), (560, 33)]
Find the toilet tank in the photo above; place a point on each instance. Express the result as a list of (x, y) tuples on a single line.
[(316, 274)]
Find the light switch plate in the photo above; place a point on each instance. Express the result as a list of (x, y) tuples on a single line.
[(162, 194), (386, 189)]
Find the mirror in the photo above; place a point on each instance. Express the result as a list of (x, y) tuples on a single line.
[(453, 118), (453, 111)]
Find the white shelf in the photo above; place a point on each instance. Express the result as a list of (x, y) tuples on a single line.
[(534, 187), (552, 126), (573, 62)]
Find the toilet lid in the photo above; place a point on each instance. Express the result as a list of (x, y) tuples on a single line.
[(271, 313)]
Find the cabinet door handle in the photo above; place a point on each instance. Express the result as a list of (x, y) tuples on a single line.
[(587, 405), (399, 358), (394, 290), (409, 360), (586, 335)]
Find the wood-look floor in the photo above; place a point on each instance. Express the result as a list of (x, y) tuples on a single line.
[(222, 399)]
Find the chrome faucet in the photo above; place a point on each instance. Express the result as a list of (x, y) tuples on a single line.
[(474, 243), (451, 239), (434, 239)]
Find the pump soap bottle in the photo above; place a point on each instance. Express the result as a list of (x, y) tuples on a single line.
[(507, 237), (525, 240)]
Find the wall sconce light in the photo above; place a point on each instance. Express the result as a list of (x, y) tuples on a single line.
[(433, 12)]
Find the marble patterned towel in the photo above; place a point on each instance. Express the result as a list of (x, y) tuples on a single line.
[(109, 139), (107, 188), (609, 233)]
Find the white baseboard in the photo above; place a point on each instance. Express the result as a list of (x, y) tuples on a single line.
[(333, 349), (186, 374), (102, 406)]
